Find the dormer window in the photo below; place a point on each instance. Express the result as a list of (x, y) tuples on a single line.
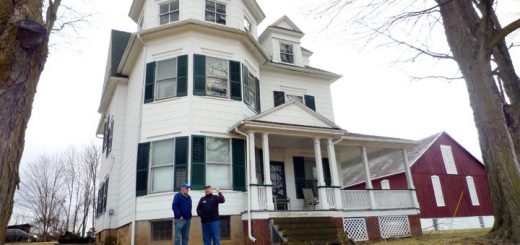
[(286, 53), (289, 97), (169, 12), (216, 12)]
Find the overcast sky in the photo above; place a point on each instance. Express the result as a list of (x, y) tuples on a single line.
[(374, 96)]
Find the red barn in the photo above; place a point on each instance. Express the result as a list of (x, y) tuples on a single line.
[(451, 184)]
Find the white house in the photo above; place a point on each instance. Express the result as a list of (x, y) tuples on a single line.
[(197, 96)]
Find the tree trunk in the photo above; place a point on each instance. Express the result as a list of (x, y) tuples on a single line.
[(21, 64), (468, 42)]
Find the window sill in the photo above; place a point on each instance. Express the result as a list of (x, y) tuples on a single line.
[(158, 101)]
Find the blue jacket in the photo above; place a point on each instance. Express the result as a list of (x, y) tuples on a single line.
[(181, 206)]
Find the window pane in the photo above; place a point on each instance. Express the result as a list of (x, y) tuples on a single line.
[(166, 88), (162, 152), (287, 58), (162, 179), (217, 150), (164, 19), (174, 6), (217, 87), (174, 16), (310, 169), (210, 6), (163, 8), (181, 176), (247, 24), (217, 67), (286, 48), (221, 8), (221, 19), (210, 16), (290, 97), (218, 175), (166, 69)]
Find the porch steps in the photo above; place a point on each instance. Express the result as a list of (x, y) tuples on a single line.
[(311, 230)]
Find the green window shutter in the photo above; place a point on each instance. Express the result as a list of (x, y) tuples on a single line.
[(181, 162), (326, 171), (245, 71), (149, 83), (279, 98), (141, 182), (235, 82), (239, 164), (257, 96), (299, 175), (199, 74), (309, 102), (182, 75), (198, 162)]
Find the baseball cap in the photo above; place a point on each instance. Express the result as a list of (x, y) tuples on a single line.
[(185, 185)]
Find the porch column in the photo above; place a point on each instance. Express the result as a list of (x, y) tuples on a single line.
[(333, 165), (409, 180), (267, 172), (368, 179), (322, 192), (252, 172)]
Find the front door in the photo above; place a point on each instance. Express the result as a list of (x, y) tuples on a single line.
[(279, 186)]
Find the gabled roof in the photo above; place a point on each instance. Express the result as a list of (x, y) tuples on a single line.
[(387, 164), (294, 113), (118, 42), (287, 24)]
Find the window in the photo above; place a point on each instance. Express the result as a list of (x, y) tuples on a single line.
[(108, 135), (217, 77), (472, 191), (166, 79), (250, 91), (286, 53), (218, 162), (437, 191), (447, 157), (289, 97), (225, 228), (161, 230), (247, 24), (169, 12), (216, 12), (385, 184), (161, 167)]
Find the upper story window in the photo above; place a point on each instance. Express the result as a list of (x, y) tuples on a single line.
[(449, 161), (108, 135), (161, 166), (286, 53), (166, 79), (289, 97), (169, 12), (217, 73), (215, 12), (247, 24), (280, 97)]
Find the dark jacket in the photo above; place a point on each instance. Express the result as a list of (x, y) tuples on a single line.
[(208, 207), (181, 206)]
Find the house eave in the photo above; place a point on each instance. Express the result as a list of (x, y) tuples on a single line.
[(287, 129), (186, 26), (393, 143), (108, 92), (297, 69)]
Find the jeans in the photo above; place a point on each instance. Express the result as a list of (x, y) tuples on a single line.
[(211, 231), (182, 231)]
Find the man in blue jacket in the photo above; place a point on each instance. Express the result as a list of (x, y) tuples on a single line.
[(209, 216), (181, 207)]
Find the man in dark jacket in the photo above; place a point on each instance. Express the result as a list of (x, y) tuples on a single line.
[(181, 207), (208, 212)]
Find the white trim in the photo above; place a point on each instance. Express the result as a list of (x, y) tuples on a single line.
[(472, 191), (385, 184), (448, 159), (437, 191)]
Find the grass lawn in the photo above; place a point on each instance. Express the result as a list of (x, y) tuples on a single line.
[(471, 236)]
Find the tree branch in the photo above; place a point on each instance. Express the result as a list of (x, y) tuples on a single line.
[(437, 77), (495, 40)]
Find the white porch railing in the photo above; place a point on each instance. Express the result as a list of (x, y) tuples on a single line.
[(331, 197), (383, 199), (355, 199), (262, 198)]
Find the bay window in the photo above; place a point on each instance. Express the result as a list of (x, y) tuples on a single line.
[(161, 166), (218, 162), (217, 74), (166, 79)]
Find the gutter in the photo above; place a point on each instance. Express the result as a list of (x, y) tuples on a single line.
[(249, 226)]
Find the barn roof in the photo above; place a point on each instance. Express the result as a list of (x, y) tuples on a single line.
[(387, 163)]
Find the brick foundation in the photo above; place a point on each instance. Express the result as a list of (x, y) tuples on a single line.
[(373, 228), (415, 225), (261, 232), (120, 235)]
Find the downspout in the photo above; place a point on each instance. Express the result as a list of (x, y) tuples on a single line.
[(132, 238), (249, 227)]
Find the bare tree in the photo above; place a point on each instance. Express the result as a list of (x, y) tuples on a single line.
[(24, 36), (91, 158), (41, 194), (477, 42)]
